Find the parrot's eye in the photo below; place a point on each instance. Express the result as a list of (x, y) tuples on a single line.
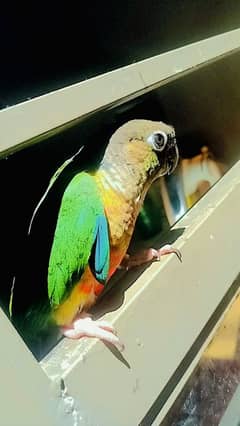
[(158, 140)]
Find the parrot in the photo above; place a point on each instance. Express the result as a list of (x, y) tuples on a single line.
[(96, 221)]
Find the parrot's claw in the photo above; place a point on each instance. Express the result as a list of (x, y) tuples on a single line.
[(168, 249), (85, 326), (147, 256)]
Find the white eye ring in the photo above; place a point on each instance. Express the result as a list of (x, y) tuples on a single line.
[(158, 140)]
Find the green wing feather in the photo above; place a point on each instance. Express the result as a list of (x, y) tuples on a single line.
[(81, 235)]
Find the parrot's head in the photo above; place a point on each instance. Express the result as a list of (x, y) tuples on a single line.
[(162, 140), (146, 145)]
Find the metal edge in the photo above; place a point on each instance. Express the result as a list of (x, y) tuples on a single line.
[(25, 121)]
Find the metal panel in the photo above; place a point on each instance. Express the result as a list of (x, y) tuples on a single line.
[(26, 397), (25, 121), (159, 317)]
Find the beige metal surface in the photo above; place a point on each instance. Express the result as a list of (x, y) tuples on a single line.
[(26, 398), (159, 317), (22, 122)]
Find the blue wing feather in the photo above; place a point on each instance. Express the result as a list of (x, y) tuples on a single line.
[(99, 260)]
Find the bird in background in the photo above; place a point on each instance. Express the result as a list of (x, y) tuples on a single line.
[(96, 221)]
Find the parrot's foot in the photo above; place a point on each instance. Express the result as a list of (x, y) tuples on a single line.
[(147, 256), (85, 326)]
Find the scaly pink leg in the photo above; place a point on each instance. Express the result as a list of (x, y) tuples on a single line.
[(148, 255), (85, 326)]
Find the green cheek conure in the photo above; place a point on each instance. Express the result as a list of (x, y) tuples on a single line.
[(96, 221)]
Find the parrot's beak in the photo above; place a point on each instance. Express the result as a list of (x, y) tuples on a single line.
[(172, 157)]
